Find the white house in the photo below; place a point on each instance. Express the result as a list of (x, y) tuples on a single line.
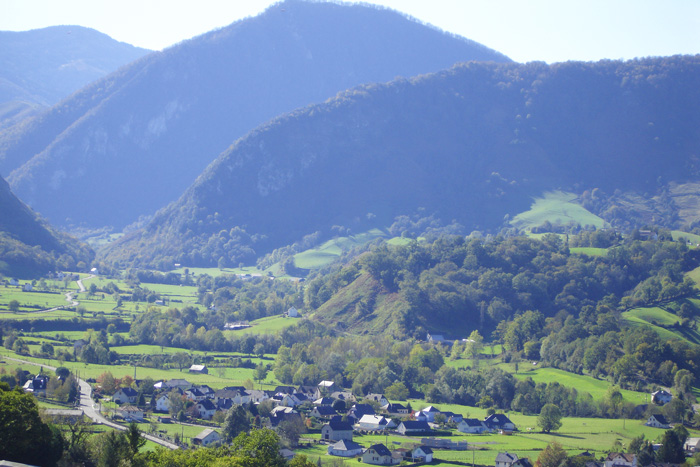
[(506, 459), (408, 427), (293, 313), (422, 454), (498, 421), (163, 403), (658, 421), (377, 398), (27, 287), (344, 448), (471, 425), (378, 454), (430, 413), (125, 396), (206, 437), (206, 409)]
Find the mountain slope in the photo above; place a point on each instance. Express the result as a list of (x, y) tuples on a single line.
[(38, 68), (28, 246), (472, 143), (159, 122)]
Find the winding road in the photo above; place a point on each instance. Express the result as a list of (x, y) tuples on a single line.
[(87, 405)]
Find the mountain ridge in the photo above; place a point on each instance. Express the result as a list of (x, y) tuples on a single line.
[(471, 144), (196, 97)]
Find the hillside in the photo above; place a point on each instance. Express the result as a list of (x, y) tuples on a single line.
[(28, 246), (469, 144), (159, 122), (40, 67)]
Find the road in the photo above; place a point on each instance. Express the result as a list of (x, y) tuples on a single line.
[(69, 297), (87, 405)]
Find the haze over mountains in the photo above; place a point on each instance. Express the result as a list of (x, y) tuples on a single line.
[(470, 144), (136, 139), (40, 67)]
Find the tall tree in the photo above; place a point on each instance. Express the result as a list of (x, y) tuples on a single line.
[(550, 418)]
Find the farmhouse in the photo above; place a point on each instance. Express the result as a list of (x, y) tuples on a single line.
[(344, 448), (206, 437), (396, 409), (37, 384), (658, 421), (430, 413), (506, 459), (163, 403), (378, 454), (206, 409), (377, 398), (323, 411), (326, 387), (336, 431), (292, 313)]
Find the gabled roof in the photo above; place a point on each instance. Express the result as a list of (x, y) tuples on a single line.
[(326, 384), (430, 409), (204, 433), (506, 457), (207, 404), (380, 449), (362, 409), (416, 425), (473, 422), (128, 392), (346, 445), (425, 449), (325, 410), (375, 419), (497, 419), (394, 407)]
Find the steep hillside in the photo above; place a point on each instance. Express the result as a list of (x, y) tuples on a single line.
[(38, 68), (471, 144), (28, 246), (159, 122)]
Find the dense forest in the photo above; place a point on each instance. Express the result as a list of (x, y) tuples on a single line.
[(29, 247), (197, 97), (490, 135)]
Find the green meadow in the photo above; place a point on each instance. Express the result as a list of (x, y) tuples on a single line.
[(267, 325), (590, 251), (559, 208), (661, 321), (331, 250)]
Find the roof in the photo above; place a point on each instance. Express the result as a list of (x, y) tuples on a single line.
[(325, 410), (346, 445), (197, 367), (425, 449), (497, 419), (429, 409), (326, 384), (127, 392), (380, 449), (336, 425), (204, 433), (129, 408), (362, 409), (627, 457), (415, 425), (376, 419), (394, 407), (506, 457), (207, 404), (473, 422)]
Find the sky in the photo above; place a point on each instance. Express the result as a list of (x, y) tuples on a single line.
[(524, 30)]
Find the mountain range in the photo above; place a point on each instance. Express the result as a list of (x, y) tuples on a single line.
[(39, 68), (136, 139), (471, 144)]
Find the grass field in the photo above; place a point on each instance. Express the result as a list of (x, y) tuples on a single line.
[(590, 251), (678, 234), (559, 208), (694, 275), (660, 321), (331, 250)]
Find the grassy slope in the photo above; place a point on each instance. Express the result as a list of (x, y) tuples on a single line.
[(331, 250), (590, 251), (558, 208)]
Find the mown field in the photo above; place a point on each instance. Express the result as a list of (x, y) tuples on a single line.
[(559, 208), (267, 325), (662, 322), (331, 250)]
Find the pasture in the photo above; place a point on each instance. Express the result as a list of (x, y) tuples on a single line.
[(267, 325), (590, 251), (662, 322), (323, 255)]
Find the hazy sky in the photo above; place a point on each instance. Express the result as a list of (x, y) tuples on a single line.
[(524, 30)]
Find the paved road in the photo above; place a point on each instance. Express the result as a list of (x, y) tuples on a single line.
[(87, 405)]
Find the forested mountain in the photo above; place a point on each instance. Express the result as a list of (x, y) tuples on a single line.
[(470, 144), (28, 246), (159, 122), (40, 67)]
